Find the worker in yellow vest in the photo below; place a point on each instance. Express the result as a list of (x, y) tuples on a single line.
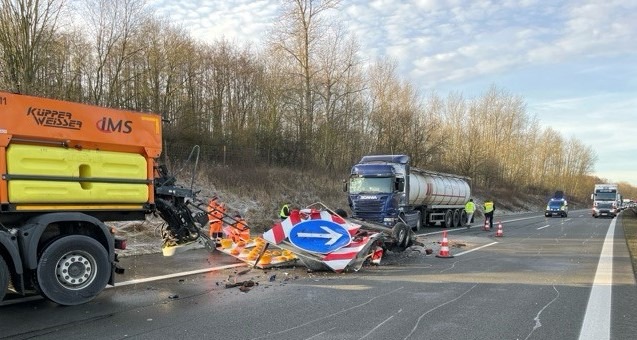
[(470, 208), (489, 208), (285, 212)]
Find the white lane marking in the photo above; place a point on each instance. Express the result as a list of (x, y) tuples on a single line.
[(468, 251), (596, 323), (132, 282), (478, 225), (169, 276), (546, 226)]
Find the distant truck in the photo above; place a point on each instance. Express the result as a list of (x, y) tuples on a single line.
[(627, 203), (606, 200), (386, 189), (557, 205)]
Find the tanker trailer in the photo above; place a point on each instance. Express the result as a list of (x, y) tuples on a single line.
[(385, 189)]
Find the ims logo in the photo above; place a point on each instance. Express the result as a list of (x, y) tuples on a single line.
[(109, 125)]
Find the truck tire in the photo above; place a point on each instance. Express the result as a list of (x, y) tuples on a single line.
[(401, 235), (4, 278), (448, 222), (456, 218), (73, 270), (341, 212), (463, 218)]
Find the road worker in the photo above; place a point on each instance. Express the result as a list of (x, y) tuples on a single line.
[(489, 208), (285, 212), (216, 221), (470, 208), (212, 207)]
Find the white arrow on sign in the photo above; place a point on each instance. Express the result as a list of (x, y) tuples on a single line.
[(331, 234)]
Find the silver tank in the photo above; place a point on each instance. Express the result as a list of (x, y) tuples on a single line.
[(432, 188)]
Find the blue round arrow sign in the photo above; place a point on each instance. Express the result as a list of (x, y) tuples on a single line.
[(319, 236)]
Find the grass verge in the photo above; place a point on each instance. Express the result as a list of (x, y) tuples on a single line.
[(629, 222)]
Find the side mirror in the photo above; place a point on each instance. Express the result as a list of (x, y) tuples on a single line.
[(345, 185), (400, 184)]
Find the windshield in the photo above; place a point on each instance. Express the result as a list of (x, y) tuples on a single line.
[(606, 196), (358, 185), (556, 204)]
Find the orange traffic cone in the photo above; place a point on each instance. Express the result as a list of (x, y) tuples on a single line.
[(444, 247), (499, 233), (486, 226)]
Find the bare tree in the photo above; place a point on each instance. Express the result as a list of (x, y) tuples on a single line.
[(111, 26), (338, 79), (297, 36), (27, 30)]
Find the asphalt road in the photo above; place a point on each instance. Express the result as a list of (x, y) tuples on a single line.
[(545, 278)]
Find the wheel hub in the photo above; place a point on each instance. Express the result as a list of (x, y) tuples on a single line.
[(75, 270)]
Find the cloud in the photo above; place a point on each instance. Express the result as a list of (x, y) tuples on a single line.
[(572, 60), (243, 21)]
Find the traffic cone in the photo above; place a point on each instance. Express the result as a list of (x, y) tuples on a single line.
[(377, 255), (499, 233), (486, 226), (444, 247)]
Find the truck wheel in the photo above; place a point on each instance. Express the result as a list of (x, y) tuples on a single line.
[(73, 270), (463, 218), (456, 218), (400, 233), (448, 222), (4, 278), (341, 212)]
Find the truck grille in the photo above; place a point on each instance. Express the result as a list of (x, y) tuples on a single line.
[(604, 205), (369, 210)]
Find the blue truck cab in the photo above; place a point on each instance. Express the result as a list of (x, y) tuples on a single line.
[(376, 191)]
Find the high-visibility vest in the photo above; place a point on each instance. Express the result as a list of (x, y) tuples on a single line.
[(470, 207), (285, 211), (488, 207), (212, 207), (218, 213)]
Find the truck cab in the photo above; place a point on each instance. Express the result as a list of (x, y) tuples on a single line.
[(605, 200), (375, 192)]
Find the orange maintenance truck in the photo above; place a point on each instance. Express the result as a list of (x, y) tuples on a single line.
[(67, 168)]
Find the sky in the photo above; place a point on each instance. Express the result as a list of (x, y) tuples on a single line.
[(574, 62)]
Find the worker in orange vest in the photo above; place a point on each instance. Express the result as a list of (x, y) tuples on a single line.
[(216, 213)]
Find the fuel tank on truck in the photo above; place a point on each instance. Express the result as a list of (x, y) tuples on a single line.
[(432, 188)]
